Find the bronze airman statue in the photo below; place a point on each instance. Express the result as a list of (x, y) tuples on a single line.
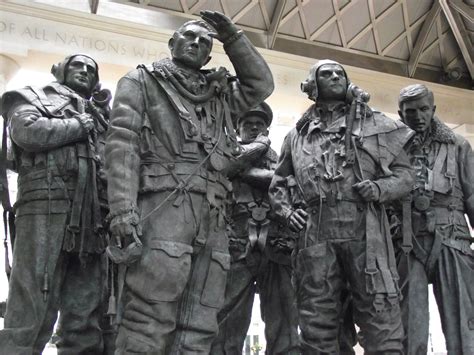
[(347, 160), (171, 140), (260, 247), (58, 135), (433, 239)]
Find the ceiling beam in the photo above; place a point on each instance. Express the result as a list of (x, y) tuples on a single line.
[(461, 35), (442, 50), (289, 15), (184, 6), (408, 26), (196, 6), (422, 36), (225, 9), (337, 12), (404, 35), (94, 5), (374, 30), (244, 10), (276, 19), (304, 24), (266, 18), (461, 7), (373, 21), (336, 17)]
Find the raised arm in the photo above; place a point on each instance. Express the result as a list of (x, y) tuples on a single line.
[(254, 79)]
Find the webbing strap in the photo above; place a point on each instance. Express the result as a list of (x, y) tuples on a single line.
[(451, 167), (175, 101), (407, 233), (440, 159), (8, 214)]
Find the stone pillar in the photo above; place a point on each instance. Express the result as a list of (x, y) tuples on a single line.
[(8, 68)]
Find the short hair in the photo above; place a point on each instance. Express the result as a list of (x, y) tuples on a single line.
[(414, 92), (194, 22)]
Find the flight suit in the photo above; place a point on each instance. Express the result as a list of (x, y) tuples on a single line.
[(440, 252), (346, 242), (60, 208), (167, 152)]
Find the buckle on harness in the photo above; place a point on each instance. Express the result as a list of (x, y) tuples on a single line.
[(451, 178), (371, 286)]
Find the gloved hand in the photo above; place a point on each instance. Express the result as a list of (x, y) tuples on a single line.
[(86, 120), (224, 27), (297, 220), (263, 139), (368, 190), (125, 245)]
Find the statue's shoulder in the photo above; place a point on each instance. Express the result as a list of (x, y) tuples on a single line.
[(28, 94), (379, 123)]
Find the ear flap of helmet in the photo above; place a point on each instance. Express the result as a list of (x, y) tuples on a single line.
[(59, 69), (309, 86)]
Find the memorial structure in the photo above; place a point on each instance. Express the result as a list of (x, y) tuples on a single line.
[(58, 135), (347, 161), (433, 239), (171, 139), (260, 247)]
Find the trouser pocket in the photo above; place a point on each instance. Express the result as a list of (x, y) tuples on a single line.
[(213, 292), (162, 272)]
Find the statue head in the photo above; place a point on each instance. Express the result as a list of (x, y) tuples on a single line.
[(191, 44), (327, 81), (416, 107), (254, 122), (79, 72)]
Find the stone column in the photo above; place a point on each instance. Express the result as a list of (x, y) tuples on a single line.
[(8, 68)]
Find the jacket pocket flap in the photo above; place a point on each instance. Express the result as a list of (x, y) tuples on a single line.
[(222, 258), (173, 249)]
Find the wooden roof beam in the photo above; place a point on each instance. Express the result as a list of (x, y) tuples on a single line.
[(461, 35), (422, 37), (276, 20)]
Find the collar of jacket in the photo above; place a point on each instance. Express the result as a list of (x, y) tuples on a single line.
[(438, 132), (65, 91), (441, 133), (194, 81), (315, 117)]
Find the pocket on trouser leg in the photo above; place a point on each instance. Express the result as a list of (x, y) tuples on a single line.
[(162, 272), (137, 346), (213, 293), (311, 269)]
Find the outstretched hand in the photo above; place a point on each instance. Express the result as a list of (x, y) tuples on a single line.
[(223, 25)]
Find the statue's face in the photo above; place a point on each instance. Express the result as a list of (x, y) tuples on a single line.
[(191, 46), (81, 75), (332, 82), (251, 126), (418, 114)]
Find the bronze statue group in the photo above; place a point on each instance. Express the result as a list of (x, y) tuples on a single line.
[(149, 227)]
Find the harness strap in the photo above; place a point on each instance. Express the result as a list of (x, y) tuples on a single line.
[(407, 232), (175, 101), (451, 167), (8, 213), (75, 220)]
